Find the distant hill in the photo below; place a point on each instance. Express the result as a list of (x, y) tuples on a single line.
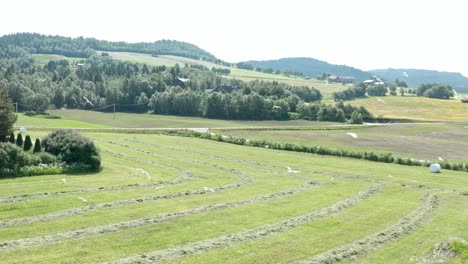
[(311, 67), (414, 77), (22, 44)]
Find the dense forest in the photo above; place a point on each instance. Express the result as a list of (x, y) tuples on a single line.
[(310, 67), (100, 83), (23, 44)]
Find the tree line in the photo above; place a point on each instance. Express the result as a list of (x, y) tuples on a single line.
[(101, 81), (22, 44)]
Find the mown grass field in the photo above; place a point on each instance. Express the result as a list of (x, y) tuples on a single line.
[(415, 108), (411, 140), (182, 200)]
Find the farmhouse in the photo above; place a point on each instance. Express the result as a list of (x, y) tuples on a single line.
[(341, 79), (180, 82)]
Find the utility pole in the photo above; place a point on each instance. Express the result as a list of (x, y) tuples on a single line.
[(114, 111)]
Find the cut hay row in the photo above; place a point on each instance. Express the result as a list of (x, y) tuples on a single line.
[(96, 230), (249, 235), (372, 242)]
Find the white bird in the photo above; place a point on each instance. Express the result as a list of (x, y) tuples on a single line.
[(267, 146), (353, 135), (64, 180), (441, 159), (89, 102), (380, 100), (291, 170), (82, 199), (206, 189)]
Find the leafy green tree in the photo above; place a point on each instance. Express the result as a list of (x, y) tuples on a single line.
[(19, 140), (37, 146), (38, 103), (356, 118), (27, 143), (7, 115)]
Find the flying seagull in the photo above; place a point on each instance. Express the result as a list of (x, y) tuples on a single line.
[(89, 102)]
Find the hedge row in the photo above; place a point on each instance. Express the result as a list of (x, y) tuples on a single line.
[(371, 156)]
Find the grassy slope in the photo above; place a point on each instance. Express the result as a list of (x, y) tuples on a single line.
[(217, 164)]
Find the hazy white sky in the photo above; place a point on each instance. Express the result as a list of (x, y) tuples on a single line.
[(365, 34)]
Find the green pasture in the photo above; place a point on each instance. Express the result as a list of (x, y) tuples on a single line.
[(185, 200), (43, 59), (93, 119)]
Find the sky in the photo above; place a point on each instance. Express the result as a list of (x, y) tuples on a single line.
[(366, 34)]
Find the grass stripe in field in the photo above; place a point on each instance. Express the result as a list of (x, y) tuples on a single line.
[(249, 235), (446, 224), (372, 242), (96, 230), (371, 215), (201, 226)]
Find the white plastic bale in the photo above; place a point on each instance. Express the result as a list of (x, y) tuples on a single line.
[(434, 168)]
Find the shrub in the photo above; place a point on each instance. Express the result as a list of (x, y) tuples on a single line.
[(47, 158), (12, 138), (27, 143), (37, 146), (72, 148), (12, 158), (19, 140)]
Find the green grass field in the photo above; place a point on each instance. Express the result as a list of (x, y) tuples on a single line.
[(93, 119), (43, 59), (184, 200)]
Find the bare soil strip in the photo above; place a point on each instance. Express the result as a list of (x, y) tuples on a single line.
[(372, 242), (96, 230), (248, 235)]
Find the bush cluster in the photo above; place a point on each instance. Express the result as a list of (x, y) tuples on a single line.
[(72, 148), (13, 159)]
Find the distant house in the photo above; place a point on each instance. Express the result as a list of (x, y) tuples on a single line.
[(224, 89), (80, 64), (464, 100), (180, 82), (341, 79), (373, 82)]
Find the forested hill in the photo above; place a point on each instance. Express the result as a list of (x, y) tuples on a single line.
[(311, 67), (22, 44), (414, 77)]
